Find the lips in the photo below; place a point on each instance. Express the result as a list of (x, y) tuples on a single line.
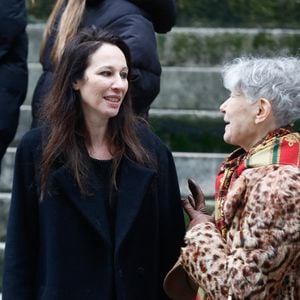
[(226, 124), (113, 98)]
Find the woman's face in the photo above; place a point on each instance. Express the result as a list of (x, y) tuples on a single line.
[(104, 84), (239, 116)]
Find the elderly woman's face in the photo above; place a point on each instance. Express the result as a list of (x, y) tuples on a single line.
[(239, 116)]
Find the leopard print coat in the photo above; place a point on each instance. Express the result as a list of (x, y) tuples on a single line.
[(260, 258)]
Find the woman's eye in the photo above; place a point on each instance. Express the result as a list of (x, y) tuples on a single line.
[(234, 96), (124, 75), (105, 73)]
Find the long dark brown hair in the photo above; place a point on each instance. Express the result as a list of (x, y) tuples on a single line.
[(63, 117)]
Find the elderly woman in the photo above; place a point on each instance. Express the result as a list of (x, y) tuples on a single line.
[(251, 248)]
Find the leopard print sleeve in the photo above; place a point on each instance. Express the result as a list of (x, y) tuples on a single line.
[(260, 258), (205, 257)]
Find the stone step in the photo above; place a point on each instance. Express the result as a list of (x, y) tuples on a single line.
[(4, 208), (214, 46), (34, 71), (181, 87), (206, 47), (200, 166), (24, 123), (7, 166), (35, 36), (191, 58), (190, 88)]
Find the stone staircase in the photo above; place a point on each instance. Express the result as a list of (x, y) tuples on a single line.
[(185, 113)]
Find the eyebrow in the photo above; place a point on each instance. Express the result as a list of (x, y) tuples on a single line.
[(125, 68)]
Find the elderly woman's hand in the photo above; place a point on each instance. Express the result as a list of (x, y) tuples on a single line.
[(194, 205)]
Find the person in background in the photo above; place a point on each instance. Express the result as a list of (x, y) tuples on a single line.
[(95, 210), (251, 248), (13, 68), (136, 21)]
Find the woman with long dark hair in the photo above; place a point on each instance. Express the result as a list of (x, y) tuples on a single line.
[(95, 211)]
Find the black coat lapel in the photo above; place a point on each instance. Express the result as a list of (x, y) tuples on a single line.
[(91, 208), (134, 181)]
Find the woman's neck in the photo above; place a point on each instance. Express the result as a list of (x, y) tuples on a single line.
[(97, 145)]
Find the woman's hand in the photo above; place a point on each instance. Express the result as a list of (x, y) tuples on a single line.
[(194, 205)]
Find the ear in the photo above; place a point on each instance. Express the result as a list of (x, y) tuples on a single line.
[(76, 85), (264, 110)]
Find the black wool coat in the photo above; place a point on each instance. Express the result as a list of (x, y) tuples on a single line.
[(136, 22), (13, 67), (58, 246)]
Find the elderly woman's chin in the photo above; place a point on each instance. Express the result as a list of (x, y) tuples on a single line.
[(227, 137)]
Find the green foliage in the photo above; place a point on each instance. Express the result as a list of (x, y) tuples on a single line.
[(39, 10), (213, 13), (241, 13), (201, 12)]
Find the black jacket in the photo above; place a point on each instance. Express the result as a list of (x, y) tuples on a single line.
[(136, 25), (59, 248), (13, 67)]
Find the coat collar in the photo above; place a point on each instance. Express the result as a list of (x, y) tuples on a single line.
[(134, 180)]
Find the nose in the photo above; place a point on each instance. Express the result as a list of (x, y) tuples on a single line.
[(222, 107)]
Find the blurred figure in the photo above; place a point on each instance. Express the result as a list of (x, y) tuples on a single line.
[(95, 210), (13, 68), (135, 21), (251, 248)]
